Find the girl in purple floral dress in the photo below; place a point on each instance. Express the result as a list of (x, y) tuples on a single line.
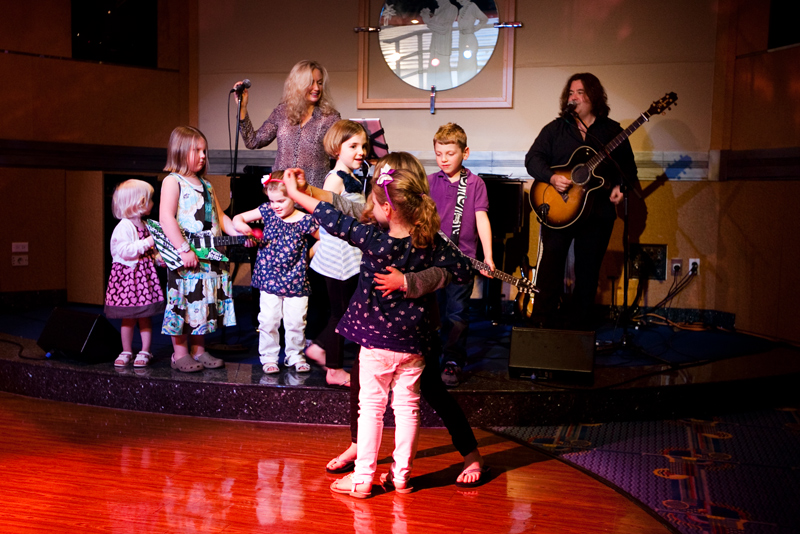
[(134, 293), (280, 274)]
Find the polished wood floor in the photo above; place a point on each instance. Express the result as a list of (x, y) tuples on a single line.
[(73, 468)]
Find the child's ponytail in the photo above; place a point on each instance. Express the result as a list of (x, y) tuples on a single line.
[(426, 222)]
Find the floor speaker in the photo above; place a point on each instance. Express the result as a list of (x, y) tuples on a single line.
[(80, 336), (544, 353)]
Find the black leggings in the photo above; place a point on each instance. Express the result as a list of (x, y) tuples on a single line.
[(434, 392), (339, 294)]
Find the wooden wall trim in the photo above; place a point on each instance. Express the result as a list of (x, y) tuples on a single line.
[(77, 156), (764, 164)]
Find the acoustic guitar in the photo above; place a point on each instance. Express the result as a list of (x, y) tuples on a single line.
[(559, 210)]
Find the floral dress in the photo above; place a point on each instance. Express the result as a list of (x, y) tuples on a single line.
[(200, 299), (281, 267)]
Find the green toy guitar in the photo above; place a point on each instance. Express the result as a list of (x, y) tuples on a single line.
[(203, 245)]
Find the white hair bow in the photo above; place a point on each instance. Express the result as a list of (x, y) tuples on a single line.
[(384, 179)]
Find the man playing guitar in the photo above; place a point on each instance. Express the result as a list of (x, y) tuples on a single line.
[(556, 161)]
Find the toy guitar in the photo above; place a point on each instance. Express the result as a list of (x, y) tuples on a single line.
[(202, 245), (523, 284), (565, 208)]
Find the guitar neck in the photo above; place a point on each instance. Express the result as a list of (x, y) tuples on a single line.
[(500, 275), (203, 241), (598, 158)]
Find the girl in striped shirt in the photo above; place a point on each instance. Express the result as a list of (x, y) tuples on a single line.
[(334, 259)]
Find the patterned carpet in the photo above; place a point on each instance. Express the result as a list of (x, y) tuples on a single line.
[(735, 473)]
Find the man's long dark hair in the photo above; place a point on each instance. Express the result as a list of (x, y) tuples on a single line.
[(594, 90)]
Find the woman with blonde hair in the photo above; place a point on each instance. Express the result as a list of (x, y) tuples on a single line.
[(299, 123)]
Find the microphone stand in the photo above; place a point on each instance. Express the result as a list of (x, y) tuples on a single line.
[(223, 344), (236, 143), (626, 341)]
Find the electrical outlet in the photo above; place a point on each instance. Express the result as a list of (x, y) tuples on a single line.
[(19, 260), (676, 266), (694, 265)]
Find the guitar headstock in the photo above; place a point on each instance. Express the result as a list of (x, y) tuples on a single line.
[(662, 105), (528, 287)]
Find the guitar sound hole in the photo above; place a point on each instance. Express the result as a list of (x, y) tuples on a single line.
[(580, 175)]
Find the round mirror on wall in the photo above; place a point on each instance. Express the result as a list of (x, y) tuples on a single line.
[(443, 43)]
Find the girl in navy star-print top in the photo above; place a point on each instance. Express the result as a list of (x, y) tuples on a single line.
[(388, 327), (280, 274)]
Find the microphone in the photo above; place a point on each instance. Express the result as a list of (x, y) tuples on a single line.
[(570, 107), (239, 87)]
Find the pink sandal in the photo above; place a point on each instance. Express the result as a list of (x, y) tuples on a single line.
[(123, 359), (350, 488), (387, 481), (142, 359)]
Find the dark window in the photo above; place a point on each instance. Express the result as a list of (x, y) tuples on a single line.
[(783, 28), (123, 32)]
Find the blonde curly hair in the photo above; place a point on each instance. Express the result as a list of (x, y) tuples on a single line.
[(296, 87)]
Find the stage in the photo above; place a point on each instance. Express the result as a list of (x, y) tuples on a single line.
[(670, 374)]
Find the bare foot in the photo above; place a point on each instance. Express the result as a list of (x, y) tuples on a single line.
[(349, 455), (472, 462), (316, 353), (338, 377)]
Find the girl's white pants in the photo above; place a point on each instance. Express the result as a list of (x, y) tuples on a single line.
[(382, 371), (293, 311)]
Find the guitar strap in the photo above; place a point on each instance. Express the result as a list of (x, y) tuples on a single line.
[(461, 198), (208, 204)]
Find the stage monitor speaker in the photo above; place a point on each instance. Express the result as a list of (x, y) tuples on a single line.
[(247, 192), (80, 336), (506, 197), (544, 353)]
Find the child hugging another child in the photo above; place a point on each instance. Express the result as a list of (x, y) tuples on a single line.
[(199, 296), (134, 293), (338, 262), (280, 274), (389, 327)]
